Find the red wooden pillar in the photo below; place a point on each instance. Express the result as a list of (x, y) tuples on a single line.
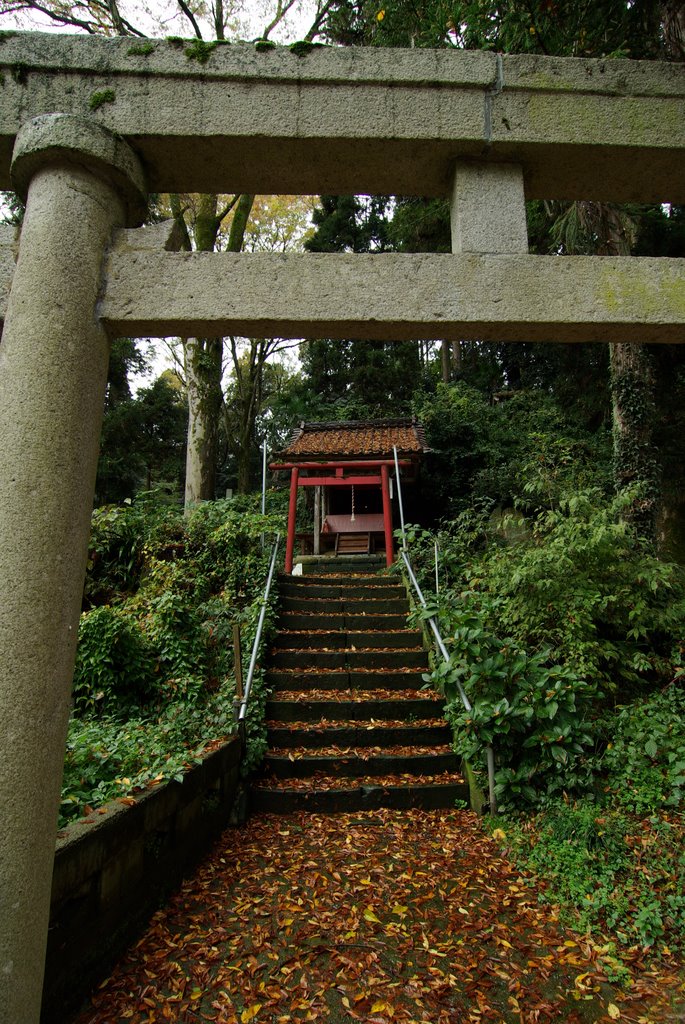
[(292, 516), (387, 515)]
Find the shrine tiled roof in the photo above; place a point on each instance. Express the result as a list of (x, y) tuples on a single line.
[(356, 439)]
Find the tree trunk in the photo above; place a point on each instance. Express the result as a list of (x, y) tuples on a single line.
[(673, 23), (244, 479), (634, 413), (203, 362), (669, 371), (457, 359), (445, 361)]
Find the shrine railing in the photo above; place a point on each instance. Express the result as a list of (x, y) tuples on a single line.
[(258, 635)]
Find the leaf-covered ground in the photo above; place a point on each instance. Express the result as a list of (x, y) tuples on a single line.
[(390, 916)]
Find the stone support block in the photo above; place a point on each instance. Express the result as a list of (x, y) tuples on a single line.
[(488, 209), (80, 184)]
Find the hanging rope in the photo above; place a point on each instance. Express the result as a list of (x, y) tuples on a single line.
[(352, 516)]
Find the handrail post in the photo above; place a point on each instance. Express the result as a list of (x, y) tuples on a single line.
[(263, 487), (437, 575)]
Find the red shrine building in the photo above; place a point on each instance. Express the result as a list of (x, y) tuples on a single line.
[(351, 468)]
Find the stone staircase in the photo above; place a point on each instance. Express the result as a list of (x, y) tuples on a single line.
[(349, 727)]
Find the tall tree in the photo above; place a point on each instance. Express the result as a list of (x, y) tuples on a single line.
[(204, 217), (278, 224), (203, 357)]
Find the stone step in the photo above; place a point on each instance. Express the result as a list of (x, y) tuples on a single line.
[(349, 724), (316, 735), (341, 620), (351, 606), (330, 679), (301, 707), (341, 577), (360, 658), (347, 763), (328, 796), (328, 640), (336, 588), (348, 565)]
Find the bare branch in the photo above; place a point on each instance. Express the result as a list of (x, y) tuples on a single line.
[(227, 209), (105, 17), (280, 14), (117, 23), (61, 19), (173, 347), (190, 16), (318, 21)]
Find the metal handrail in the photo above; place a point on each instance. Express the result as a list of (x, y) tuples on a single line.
[(258, 634), (489, 753), (399, 497)]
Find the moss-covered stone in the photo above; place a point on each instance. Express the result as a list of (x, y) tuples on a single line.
[(200, 50), (303, 47), (141, 49), (98, 99)]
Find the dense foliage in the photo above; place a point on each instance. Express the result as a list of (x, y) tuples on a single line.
[(568, 636), (154, 680)]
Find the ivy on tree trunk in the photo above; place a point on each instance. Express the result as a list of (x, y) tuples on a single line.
[(204, 357)]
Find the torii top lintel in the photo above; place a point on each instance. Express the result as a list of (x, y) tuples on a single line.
[(339, 120)]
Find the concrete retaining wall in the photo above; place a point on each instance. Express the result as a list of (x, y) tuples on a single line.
[(114, 868)]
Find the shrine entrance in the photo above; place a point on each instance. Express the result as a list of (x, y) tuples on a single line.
[(351, 467), (484, 131)]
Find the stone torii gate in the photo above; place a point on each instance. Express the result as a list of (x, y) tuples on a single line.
[(88, 125)]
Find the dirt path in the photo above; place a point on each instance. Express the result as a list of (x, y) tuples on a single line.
[(407, 916)]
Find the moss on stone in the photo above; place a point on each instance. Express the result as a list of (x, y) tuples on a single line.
[(264, 45), (141, 49), (304, 47), (200, 50), (176, 41), (98, 99)]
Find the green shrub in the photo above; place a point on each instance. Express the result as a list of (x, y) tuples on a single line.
[(175, 632), (115, 755), (546, 622), (532, 712), (154, 673), (644, 764), (114, 665), (608, 871), (118, 538)]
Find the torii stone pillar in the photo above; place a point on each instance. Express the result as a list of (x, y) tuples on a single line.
[(81, 183)]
